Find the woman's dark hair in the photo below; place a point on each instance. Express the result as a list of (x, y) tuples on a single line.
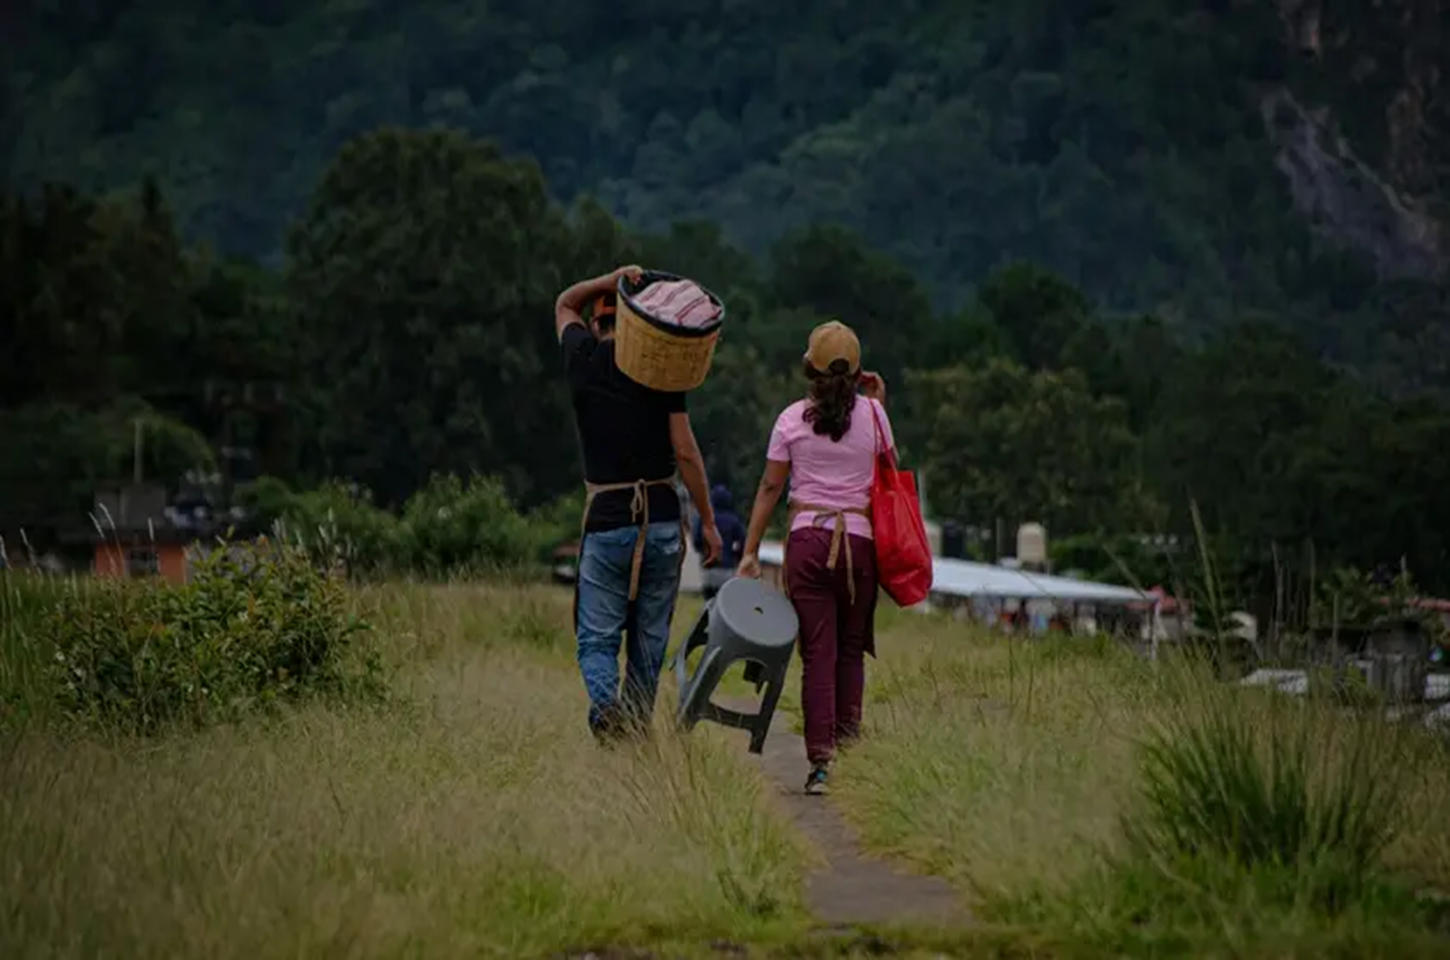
[(832, 397)]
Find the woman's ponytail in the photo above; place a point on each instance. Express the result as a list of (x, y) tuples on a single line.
[(832, 398)]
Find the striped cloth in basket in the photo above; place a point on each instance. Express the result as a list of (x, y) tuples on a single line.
[(679, 302)]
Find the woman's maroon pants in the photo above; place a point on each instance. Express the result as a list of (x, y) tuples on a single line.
[(835, 634)]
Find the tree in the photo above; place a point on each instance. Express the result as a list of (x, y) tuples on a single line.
[(425, 271), (1007, 443), (56, 456), (1039, 312), (1226, 429), (830, 272), (733, 413)]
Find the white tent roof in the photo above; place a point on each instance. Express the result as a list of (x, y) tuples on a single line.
[(962, 578)]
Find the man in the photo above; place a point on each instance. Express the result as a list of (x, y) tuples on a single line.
[(732, 535), (634, 439)]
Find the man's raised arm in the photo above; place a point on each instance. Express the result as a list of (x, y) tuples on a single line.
[(569, 306)]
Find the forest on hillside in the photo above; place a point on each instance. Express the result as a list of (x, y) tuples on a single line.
[(408, 333), (1122, 144), (1114, 258)]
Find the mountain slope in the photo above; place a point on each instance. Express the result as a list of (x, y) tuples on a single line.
[(1168, 161)]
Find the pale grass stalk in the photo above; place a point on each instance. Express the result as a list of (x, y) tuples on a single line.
[(471, 816), (1006, 802)]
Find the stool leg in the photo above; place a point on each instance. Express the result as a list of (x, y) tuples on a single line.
[(697, 637), (696, 694), (761, 727), (755, 674)]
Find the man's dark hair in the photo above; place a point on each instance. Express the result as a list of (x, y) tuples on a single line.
[(604, 313)]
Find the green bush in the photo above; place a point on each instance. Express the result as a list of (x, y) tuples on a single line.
[(26, 599), (447, 528), (451, 527), (255, 625), (336, 524), (1286, 788), (557, 522)]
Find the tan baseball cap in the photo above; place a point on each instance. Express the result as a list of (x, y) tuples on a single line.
[(831, 342)]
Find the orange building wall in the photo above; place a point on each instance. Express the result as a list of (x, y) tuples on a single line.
[(170, 560), (110, 560)]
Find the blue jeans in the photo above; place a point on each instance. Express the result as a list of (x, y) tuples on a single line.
[(605, 615)]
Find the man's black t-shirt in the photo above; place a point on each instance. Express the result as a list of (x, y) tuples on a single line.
[(624, 429)]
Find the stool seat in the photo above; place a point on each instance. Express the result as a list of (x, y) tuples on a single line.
[(745, 621)]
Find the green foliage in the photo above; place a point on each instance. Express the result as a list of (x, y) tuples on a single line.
[(448, 528), (453, 527), (1261, 829), (337, 523), (1106, 143), (1213, 908), (426, 267), (1279, 795), (1003, 442), (57, 455), (252, 627), (26, 599), (556, 522), (1350, 598), (1116, 558), (409, 334)]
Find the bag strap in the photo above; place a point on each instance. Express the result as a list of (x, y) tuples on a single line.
[(882, 450)]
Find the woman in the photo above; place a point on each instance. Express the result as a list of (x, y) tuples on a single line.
[(826, 445)]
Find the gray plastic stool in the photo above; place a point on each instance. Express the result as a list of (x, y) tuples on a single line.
[(746, 621)]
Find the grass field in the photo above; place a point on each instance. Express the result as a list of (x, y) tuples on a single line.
[(1016, 770), (469, 813)]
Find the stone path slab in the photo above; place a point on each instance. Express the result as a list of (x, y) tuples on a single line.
[(852, 887)]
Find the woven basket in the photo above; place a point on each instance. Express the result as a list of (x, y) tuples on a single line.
[(657, 354)]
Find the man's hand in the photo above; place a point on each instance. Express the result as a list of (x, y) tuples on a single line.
[(569, 307), (632, 273), (749, 567), (713, 544), (873, 386)]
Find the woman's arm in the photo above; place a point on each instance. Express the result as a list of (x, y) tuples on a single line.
[(767, 495)]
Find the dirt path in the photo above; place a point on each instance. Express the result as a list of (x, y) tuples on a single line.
[(853, 887)]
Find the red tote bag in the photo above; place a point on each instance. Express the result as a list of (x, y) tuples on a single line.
[(903, 553)]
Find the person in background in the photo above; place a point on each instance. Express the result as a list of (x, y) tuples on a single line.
[(826, 446), (732, 538), (632, 545)]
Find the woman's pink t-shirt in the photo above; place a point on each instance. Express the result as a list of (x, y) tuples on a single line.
[(829, 473)]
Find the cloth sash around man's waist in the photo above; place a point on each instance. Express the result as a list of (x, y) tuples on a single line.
[(638, 512)]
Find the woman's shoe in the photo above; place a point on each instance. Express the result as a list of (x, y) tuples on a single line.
[(818, 781)]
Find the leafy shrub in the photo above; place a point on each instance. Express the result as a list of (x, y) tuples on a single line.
[(447, 528), (555, 522), (452, 527), (26, 599), (1287, 789), (337, 523), (256, 624)]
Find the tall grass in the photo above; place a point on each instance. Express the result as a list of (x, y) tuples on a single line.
[(1107, 805), (1261, 782), (470, 815), (25, 601)]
